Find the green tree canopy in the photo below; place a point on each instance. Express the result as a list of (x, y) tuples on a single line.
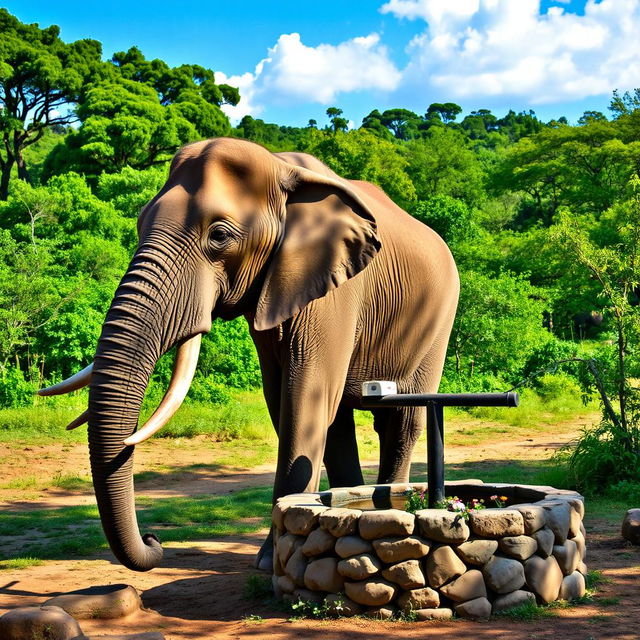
[(40, 78)]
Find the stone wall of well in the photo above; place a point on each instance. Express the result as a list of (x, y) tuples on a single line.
[(386, 562)]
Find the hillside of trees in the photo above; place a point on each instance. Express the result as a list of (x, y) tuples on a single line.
[(542, 217)]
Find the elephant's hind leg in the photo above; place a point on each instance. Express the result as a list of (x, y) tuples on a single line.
[(341, 451), (398, 430)]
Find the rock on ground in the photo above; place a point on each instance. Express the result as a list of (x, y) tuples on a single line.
[(27, 623), (544, 577), (434, 614), (468, 586), (478, 609), (513, 599), (631, 526), (372, 592), (105, 602)]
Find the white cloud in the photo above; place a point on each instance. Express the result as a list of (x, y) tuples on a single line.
[(507, 48), (295, 72)]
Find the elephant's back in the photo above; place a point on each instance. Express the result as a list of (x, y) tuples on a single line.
[(410, 296)]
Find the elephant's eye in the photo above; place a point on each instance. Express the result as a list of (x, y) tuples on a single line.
[(220, 235)]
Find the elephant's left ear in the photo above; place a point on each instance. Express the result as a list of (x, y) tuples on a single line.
[(329, 236)]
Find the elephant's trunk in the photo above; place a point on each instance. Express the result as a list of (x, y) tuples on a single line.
[(144, 320)]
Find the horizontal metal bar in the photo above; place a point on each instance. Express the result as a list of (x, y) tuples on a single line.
[(509, 399)]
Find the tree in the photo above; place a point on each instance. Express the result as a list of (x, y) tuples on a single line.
[(624, 104), (40, 77), (442, 163), (401, 122), (610, 254), (337, 122), (172, 83), (447, 112)]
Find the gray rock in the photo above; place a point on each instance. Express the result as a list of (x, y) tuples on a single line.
[(318, 542), (296, 567), (573, 586), (575, 520), (341, 607), (544, 577), (371, 593), (434, 614), (46, 622), (398, 549), (519, 547), (496, 523), (582, 568), (477, 552), (443, 565), (340, 522), (545, 540), (407, 574), (442, 526), (415, 599), (558, 518), (388, 522), (478, 609), (512, 600), (468, 586), (503, 574), (359, 567), (352, 546), (567, 555), (631, 526), (301, 519), (533, 515), (104, 602)]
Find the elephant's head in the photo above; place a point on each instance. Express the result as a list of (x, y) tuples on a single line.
[(235, 230)]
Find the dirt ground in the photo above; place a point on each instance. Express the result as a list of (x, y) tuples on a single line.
[(198, 592)]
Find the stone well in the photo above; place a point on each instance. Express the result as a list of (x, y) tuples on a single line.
[(359, 552)]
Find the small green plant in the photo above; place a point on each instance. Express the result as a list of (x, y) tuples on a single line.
[(319, 610), (416, 500), (252, 617)]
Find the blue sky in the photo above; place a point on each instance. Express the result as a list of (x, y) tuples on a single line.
[(294, 59)]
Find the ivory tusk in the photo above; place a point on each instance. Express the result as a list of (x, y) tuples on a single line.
[(80, 420), (183, 372), (76, 381)]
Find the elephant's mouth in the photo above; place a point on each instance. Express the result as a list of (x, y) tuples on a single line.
[(184, 369)]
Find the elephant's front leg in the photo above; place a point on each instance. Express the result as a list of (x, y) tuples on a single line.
[(313, 379)]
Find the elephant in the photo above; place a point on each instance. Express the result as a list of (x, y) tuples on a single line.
[(338, 285)]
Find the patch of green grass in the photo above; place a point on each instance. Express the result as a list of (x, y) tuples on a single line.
[(71, 482), (257, 587), (595, 578), (76, 531), (19, 563), (608, 602), (527, 612), (28, 482)]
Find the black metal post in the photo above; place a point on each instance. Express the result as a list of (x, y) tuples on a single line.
[(435, 403), (435, 452)]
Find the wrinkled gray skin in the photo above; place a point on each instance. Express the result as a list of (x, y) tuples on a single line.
[(338, 286)]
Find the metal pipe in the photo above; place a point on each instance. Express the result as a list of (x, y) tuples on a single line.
[(509, 399)]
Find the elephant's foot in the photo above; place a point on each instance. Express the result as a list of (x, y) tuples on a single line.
[(264, 559)]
